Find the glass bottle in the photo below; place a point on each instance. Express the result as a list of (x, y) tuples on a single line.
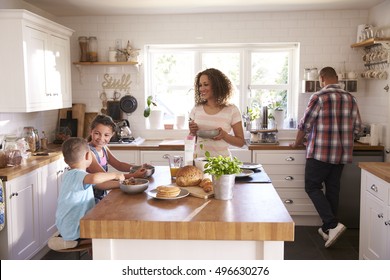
[(83, 42), (92, 49), (29, 136)]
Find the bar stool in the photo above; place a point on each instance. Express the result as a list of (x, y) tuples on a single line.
[(84, 247)]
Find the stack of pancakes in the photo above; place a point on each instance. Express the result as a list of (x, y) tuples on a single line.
[(168, 191)]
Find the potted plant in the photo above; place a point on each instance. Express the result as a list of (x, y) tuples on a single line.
[(276, 113), (155, 119), (223, 171)]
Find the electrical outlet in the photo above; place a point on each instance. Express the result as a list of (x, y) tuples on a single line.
[(118, 44)]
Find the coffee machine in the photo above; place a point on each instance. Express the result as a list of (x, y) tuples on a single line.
[(123, 133)]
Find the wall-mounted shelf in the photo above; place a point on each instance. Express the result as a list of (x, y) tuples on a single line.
[(385, 42), (105, 63)]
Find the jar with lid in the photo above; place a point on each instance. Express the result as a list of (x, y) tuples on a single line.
[(313, 74), (306, 72), (92, 49), (83, 42), (30, 137)]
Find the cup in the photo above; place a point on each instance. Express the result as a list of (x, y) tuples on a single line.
[(175, 164)]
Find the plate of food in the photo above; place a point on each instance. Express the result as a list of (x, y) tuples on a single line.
[(168, 192), (250, 165), (245, 173)]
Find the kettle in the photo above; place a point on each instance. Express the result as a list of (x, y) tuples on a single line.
[(123, 130)]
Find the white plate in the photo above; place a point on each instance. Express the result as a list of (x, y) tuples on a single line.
[(249, 165), (245, 173), (183, 193)]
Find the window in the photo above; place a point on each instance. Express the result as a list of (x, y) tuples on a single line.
[(263, 75)]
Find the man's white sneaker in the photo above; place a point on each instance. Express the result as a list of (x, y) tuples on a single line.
[(323, 234), (334, 234)]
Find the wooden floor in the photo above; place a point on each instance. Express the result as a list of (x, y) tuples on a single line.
[(308, 245)]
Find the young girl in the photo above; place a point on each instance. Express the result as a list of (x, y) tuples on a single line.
[(102, 129)]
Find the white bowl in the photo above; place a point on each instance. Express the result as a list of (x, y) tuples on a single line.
[(138, 186), (207, 133)]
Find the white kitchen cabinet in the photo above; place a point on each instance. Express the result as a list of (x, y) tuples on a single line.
[(129, 156), (156, 157), (31, 204), (374, 235), (286, 169), (36, 63), (49, 188), (20, 237)]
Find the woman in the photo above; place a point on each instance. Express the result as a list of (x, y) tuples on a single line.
[(102, 129), (212, 110)]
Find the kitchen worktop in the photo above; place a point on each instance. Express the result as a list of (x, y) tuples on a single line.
[(379, 169), (247, 217), (32, 163), (54, 151)]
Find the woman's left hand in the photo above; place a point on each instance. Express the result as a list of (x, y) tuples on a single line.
[(221, 134)]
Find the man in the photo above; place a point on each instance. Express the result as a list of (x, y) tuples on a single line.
[(330, 123)]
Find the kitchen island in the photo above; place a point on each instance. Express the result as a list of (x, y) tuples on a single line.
[(253, 225)]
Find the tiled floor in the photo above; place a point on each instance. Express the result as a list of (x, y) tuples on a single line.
[(308, 245)]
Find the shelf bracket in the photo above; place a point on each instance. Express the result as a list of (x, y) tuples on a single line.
[(81, 73)]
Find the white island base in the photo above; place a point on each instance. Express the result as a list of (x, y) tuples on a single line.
[(148, 249)]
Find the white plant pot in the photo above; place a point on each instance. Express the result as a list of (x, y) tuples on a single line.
[(279, 118), (223, 186), (156, 119)]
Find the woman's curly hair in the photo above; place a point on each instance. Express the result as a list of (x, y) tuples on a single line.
[(220, 84)]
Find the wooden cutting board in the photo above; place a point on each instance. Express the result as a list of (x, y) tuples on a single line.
[(87, 123), (198, 192), (78, 112)]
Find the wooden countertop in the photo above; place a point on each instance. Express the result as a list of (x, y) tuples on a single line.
[(379, 169), (255, 213), (32, 163)]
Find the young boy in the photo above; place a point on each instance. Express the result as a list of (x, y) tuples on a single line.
[(76, 195)]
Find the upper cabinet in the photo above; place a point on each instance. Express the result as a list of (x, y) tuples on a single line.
[(35, 70)]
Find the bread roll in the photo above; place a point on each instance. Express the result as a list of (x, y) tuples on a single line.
[(206, 185), (188, 176)]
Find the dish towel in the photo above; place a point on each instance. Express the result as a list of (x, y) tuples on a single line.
[(2, 206)]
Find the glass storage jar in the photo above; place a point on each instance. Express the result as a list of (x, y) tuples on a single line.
[(30, 137), (83, 42), (92, 49)]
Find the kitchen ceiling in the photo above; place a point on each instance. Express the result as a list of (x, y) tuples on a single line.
[(131, 7)]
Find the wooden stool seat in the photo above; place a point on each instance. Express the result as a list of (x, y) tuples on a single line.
[(81, 247)]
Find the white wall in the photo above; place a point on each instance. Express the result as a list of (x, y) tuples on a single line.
[(325, 38)]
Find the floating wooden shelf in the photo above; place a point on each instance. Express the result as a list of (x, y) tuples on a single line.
[(373, 41), (106, 63)]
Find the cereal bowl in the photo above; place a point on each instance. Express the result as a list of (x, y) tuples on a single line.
[(134, 185), (149, 169), (207, 133)]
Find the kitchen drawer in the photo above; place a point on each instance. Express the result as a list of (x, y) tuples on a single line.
[(286, 170), (283, 157), (377, 187), (297, 201), (288, 181)]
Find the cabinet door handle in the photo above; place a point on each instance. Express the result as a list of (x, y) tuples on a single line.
[(14, 194), (290, 158), (289, 201), (374, 188), (380, 215), (60, 171), (387, 223), (289, 178)]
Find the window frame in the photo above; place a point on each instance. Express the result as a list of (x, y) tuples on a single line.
[(244, 50)]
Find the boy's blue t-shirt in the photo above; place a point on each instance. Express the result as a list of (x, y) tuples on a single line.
[(74, 201)]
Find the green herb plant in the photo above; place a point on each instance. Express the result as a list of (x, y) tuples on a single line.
[(149, 103), (221, 165)]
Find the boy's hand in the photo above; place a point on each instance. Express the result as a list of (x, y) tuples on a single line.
[(120, 177)]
